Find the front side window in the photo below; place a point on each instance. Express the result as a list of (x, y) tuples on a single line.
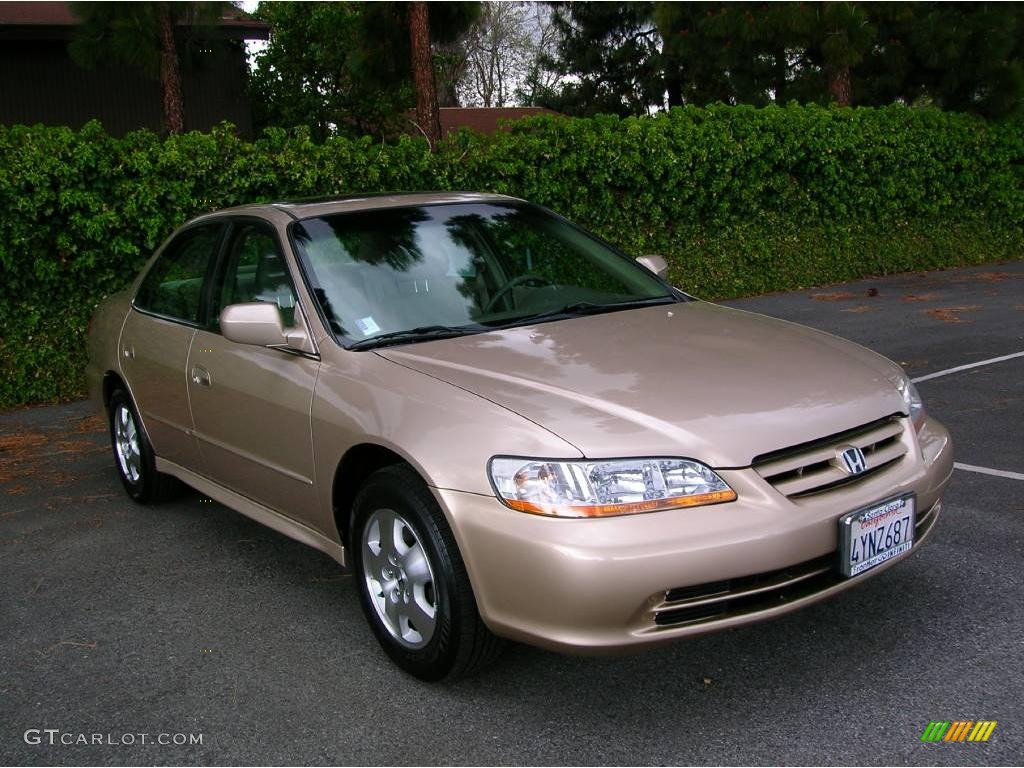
[(255, 270), (173, 287), (460, 266)]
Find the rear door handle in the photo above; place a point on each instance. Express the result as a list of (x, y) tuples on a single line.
[(200, 376)]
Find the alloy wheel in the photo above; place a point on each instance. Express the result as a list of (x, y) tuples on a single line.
[(126, 443), (399, 578)]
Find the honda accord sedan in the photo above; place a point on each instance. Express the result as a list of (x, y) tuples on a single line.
[(506, 428)]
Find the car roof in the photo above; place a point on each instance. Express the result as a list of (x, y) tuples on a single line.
[(322, 206)]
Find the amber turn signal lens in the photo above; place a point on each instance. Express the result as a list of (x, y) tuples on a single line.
[(610, 510)]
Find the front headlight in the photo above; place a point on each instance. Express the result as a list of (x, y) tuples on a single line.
[(912, 398), (602, 488)]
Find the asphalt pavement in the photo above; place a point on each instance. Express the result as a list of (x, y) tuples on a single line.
[(129, 625)]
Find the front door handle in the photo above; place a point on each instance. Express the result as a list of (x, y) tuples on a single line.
[(200, 376)]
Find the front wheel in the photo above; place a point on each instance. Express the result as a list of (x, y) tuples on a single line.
[(133, 455), (413, 585)]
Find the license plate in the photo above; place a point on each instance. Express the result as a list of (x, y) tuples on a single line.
[(869, 537)]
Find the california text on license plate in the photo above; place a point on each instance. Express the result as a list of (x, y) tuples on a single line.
[(869, 537)]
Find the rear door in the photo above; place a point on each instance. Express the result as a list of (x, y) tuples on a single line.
[(157, 334), (250, 404)]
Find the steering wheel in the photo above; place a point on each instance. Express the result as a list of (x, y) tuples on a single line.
[(515, 282)]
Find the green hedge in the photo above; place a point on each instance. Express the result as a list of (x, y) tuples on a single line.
[(740, 200)]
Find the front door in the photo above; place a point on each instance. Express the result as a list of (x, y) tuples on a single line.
[(250, 404), (156, 338)]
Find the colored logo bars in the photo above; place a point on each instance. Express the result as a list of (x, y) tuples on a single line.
[(958, 730)]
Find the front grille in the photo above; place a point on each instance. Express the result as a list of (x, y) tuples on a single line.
[(813, 467), (749, 594)]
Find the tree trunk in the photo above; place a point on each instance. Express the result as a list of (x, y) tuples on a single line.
[(427, 115), (839, 84), (170, 76)]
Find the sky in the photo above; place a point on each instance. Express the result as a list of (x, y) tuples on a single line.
[(252, 47)]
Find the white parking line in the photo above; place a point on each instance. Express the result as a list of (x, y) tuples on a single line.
[(987, 471), (968, 366)]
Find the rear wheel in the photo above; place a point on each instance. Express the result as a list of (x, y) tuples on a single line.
[(133, 455), (413, 584)]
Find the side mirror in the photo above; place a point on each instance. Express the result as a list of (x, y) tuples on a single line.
[(259, 323), (655, 264)]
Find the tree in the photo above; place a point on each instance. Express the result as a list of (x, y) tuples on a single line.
[(608, 56), (450, 66), (968, 56), (428, 117), (959, 56), (964, 56), (500, 49), (540, 79), (142, 35), (343, 67), (330, 67), (733, 53), (756, 53), (499, 60), (845, 38)]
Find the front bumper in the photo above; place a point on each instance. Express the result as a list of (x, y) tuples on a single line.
[(609, 585)]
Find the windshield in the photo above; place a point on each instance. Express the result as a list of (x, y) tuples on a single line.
[(452, 268)]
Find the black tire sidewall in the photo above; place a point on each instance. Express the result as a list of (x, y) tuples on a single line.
[(437, 658)]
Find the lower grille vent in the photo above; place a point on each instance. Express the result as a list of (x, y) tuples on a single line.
[(759, 592)]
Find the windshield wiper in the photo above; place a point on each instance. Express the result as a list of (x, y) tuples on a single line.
[(580, 308), (422, 333), (576, 309)]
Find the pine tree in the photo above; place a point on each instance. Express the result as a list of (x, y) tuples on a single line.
[(143, 35)]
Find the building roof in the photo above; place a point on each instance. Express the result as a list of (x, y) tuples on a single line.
[(485, 119), (54, 19)]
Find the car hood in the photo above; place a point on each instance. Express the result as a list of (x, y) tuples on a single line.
[(691, 379)]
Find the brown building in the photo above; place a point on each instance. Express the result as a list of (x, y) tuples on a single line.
[(485, 119), (40, 83)]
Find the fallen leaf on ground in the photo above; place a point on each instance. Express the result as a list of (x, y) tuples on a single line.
[(844, 296), (989, 277), (951, 314), (21, 441)]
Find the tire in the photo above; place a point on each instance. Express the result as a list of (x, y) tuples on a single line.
[(133, 455), (413, 573)]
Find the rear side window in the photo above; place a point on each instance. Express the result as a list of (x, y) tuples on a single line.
[(174, 285)]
